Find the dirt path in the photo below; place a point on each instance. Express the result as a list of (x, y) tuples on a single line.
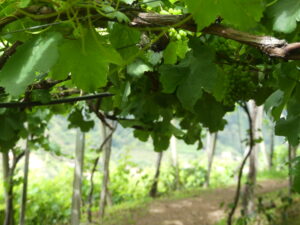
[(201, 210)]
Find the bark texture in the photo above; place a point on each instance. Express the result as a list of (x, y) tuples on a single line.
[(174, 162), (249, 194), (8, 190), (106, 161), (79, 159), (211, 149), (154, 186), (25, 184)]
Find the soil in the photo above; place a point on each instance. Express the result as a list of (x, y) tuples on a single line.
[(207, 208)]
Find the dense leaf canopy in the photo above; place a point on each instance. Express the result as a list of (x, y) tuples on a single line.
[(189, 60)]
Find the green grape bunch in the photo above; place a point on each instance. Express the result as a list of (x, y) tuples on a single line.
[(240, 85)]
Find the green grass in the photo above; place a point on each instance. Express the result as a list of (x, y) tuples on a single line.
[(272, 174), (125, 213)]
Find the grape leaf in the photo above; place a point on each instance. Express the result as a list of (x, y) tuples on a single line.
[(124, 39), (202, 65), (172, 76), (161, 136), (210, 113), (274, 100), (289, 128), (129, 2), (137, 68), (286, 14), (195, 72), (170, 56), (24, 3), (35, 56), (87, 60), (243, 14), (296, 174), (189, 91), (141, 135), (77, 120), (204, 12), (41, 96)]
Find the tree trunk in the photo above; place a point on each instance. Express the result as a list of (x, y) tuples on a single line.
[(79, 159), (271, 153), (153, 190), (211, 148), (248, 197), (25, 184), (8, 190), (105, 180), (174, 161), (262, 144), (291, 155)]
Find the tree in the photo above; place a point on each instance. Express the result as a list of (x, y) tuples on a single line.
[(271, 151), (25, 184), (154, 186), (174, 162), (79, 160), (248, 196), (211, 148), (106, 161), (292, 153)]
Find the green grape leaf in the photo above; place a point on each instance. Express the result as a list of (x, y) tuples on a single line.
[(196, 72), (141, 135), (77, 120), (86, 60), (210, 113), (138, 68), (10, 128), (296, 174), (129, 2), (7, 130), (289, 128), (204, 12), (246, 12), (193, 128), (170, 56), (161, 135), (286, 14), (24, 3), (202, 65), (172, 76), (124, 39), (154, 58), (41, 96), (273, 101), (35, 56), (286, 85), (189, 91), (182, 48)]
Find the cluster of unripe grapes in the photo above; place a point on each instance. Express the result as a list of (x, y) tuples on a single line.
[(239, 86)]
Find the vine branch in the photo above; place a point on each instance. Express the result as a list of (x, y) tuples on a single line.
[(270, 46), (53, 102), (240, 174)]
